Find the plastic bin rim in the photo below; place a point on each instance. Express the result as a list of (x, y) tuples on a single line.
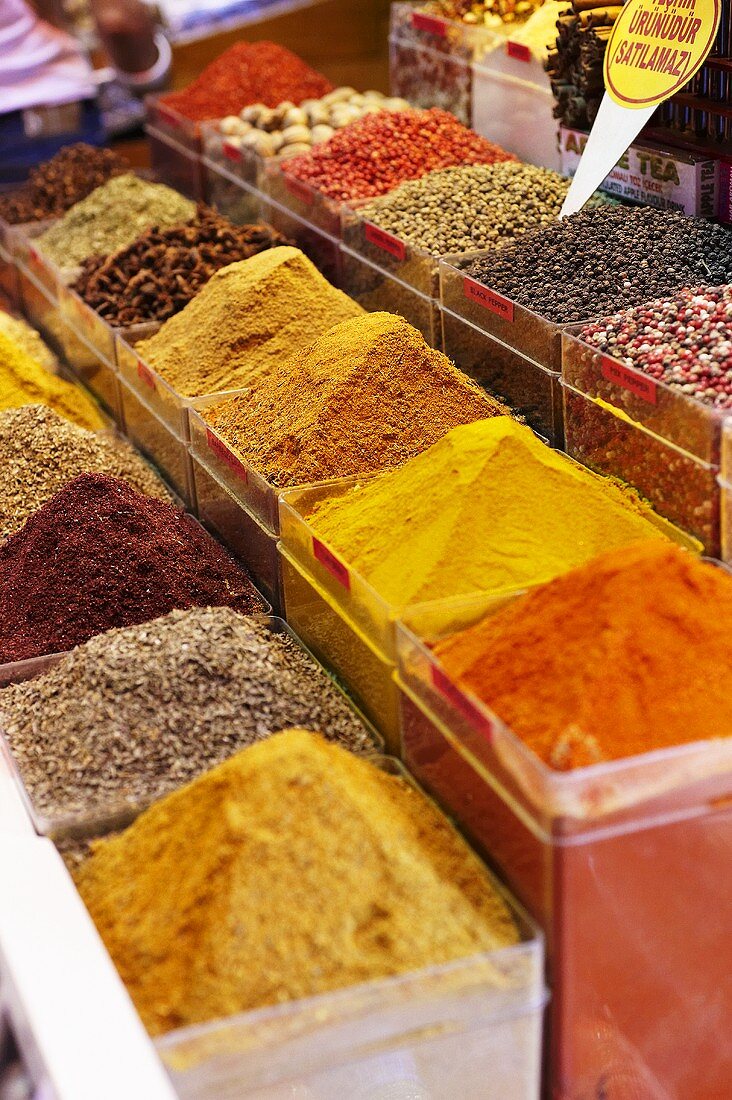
[(553, 374), (151, 131), (621, 415)]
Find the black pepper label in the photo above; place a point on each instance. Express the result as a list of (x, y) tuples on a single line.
[(496, 303)]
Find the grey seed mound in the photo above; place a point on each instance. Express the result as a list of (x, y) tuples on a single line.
[(40, 452), (598, 261), (137, 712), (469, 207)]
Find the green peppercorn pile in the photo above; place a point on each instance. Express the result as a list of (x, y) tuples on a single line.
[(598, 261), (469, 207)]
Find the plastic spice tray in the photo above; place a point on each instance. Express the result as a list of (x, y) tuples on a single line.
[(322, 248), (302, 199), (224, 152), (519, 328), (342, 646), (172, 125), (680, 487), (727, 451), (375, 289), (227, 517), (157, 440), (664, 410), (413, 266), (117, 813), (428, 77), (32, 261), (42, 310), (154, 391), (530, 389), (411, 23), (623, 865), (9, 278), (725, 490), (230, 195), (174, 164)]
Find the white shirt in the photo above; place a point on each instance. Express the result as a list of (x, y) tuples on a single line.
[(38, 63)]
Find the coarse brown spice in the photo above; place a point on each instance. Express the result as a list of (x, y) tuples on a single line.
[(54, 451), (137, 712), (248, 318), (292, 869), (367, 396), (65, 179)]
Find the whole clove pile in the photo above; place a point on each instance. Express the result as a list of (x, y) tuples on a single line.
[(159, 273), (65, 179)]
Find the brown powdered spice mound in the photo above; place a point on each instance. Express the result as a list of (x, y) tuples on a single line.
[(644, 661), (100, 555), (367, 396), (248, 318), (292, 869)]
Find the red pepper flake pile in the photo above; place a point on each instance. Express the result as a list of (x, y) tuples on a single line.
[(248, 72), (99, 555), (684, 341), (373, 155)]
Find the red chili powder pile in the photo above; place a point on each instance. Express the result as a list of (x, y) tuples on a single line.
[(373, 155), (248, 72), (621, 656), (99, 555)]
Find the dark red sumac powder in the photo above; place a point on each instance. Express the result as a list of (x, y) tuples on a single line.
[(100, 555), (248, 72)]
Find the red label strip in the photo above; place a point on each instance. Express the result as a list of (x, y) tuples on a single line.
[(385, 241), (231, 152), (442, 682), (167, 117), (299, 189), (335, 567), (518, 50), (146, 375), (496, 303), (612, 371), (429, 23), (220, 449)]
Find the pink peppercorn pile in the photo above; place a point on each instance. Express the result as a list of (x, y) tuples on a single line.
[(371, 156), (684, 341)]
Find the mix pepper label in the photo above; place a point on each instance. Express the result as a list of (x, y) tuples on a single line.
[(613, 371)]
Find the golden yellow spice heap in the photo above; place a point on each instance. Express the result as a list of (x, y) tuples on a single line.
[(488, 508), (292, 869), (366, 396), (23, 381), (248, 318), (26, 338)]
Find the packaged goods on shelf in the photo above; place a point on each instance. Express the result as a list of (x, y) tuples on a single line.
[(632, 817)]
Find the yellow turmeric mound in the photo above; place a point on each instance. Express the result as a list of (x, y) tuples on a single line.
[(23, 381)]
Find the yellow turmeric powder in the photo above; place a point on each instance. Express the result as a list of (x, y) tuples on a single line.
[(23, 381), (25, 336), (292, 869), (488, 508)]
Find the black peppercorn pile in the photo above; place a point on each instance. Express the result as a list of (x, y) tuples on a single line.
[(598, 261), (159, 273)]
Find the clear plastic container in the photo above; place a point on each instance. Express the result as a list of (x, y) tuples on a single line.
[(726, 472), (345, 649), (94, 371), (228, 193), (413, 266), (375, 289), (222, 151), (154, 391), (513, 105), (725, 490), (519, 328), (9, 279), (452, 37), (664, 410), (157, 440), (623, 864), (41, 309), (428, 77), (172, 125), (530, 389), (227, 517), (174, 164), (680, 487), (32, 260), (92, 328), (313, 207), (119, 811), (322, 248)]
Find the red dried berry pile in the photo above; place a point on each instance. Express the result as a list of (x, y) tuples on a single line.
[(375, 154), (248, 72), (100, 555)]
